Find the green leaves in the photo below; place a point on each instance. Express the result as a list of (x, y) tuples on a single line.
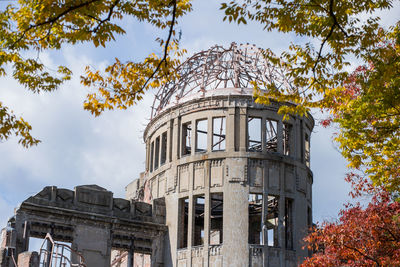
[(47, 24), (366, 103)]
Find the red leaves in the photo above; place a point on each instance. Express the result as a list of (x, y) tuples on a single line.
[(362, 237)]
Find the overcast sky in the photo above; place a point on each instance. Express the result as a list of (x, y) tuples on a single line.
[(78, 148)]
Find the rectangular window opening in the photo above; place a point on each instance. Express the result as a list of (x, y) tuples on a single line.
[(219, 134), (271, 135), (186, 138), (254, 132), (198, 221), (287, 128), (151, 156), (307, 149), (163, 148), (183, 220), (289, 223), (216, 218), (201, 135), (272, 220), (157, 153), (255, 218)]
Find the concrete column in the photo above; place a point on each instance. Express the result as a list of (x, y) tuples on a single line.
[(130, 260), (176, 145), (265, 214), (193, 138), (230, 130), (170, 140), (206, 212), (148, 155), (157, 253), (242, 128), (22, 239), (235, 219), (96, 252), (28, 259), (281, 207), (191, 214)]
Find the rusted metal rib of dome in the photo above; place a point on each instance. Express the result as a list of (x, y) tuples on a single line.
[(220, 70)]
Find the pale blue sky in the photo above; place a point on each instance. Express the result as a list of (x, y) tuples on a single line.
[(78, 148)]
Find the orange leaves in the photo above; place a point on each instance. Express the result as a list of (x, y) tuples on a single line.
[(362, 237), (123, 84), (48, 24)]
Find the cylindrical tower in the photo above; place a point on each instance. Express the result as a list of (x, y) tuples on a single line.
[(234, 175)]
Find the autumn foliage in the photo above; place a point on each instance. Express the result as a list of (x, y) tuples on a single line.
[(362, 236)]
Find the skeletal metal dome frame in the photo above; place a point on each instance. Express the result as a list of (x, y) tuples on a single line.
[(235, 67)]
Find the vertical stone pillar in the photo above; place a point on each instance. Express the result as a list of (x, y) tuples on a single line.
[(96, 251), (131, 252), (157, 253), (28, 259), (242, 128), (235, 217), (230, 128), (22, 237), (5, 259)]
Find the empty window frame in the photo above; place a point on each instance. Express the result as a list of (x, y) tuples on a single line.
[(216, 218), (157, 153), (201, 135), (286, 132), (273, 221), (254, 133), (288, 223), (271, 135), (307, 149), (186, 138), (183, 220), (198, 228), (163, 157), (219, 134), (151, 156), (255, 218)]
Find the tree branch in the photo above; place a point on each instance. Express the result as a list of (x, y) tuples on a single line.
[(164, 59), (364, 255), (51, 20)]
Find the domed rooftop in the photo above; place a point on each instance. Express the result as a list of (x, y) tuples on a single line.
[(219, 71)]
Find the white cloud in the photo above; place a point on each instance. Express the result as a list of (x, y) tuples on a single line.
[(80, 149)]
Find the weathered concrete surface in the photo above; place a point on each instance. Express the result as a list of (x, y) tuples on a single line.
[(235, 172), (92, 221), (28, 259)]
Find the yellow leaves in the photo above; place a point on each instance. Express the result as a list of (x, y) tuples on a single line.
[(123, 84), (48, 24), (11, 125), (366, 106)]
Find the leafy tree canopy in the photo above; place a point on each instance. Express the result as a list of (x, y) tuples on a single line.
[(336, 32), (364, 103), (47, 24), (362, 236)]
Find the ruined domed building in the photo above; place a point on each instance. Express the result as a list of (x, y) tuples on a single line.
[(234, 175), (227, 182)]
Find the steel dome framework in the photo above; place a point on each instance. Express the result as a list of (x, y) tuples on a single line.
[(235, 67)]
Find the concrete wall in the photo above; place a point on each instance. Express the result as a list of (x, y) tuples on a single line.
[(235, 172)]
